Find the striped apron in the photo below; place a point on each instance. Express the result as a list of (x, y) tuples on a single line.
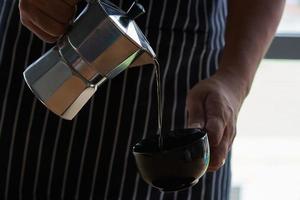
[(45, 157)]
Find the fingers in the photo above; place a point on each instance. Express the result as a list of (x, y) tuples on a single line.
[(39, 33), (47, 19), (219, 128), (62, 15), (219, 153), (217, 117), (231, 130), (215, 127), (44, 22), (196, 114), (218, 158)]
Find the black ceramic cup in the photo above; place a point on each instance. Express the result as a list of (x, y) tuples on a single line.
[(178, 163)]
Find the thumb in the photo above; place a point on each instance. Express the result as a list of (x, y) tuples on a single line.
[(196, 114)]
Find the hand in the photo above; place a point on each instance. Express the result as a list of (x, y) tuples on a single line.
[(214, 103), (48, 19)]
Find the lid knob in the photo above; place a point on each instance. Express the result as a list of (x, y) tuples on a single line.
[(135, 10)]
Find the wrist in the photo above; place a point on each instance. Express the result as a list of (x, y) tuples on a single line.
[(234, 81)]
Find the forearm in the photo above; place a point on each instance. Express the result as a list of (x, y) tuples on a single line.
[(251, 25)]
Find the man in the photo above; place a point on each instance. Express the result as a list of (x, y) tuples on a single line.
[(209, 52)]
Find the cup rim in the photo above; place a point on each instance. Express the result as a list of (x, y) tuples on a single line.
[(203, 137)]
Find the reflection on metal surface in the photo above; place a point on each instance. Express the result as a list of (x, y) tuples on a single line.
[(124, 65)]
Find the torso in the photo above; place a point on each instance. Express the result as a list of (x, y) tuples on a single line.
[(45, 157)]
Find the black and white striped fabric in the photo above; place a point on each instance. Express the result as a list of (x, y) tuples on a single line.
[(45, 157)]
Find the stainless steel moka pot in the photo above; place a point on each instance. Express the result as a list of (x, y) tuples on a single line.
[(103, 42)]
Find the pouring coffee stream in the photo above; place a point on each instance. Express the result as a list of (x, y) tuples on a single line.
[(159, 103)]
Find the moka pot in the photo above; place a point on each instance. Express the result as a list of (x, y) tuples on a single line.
[(102, 42)]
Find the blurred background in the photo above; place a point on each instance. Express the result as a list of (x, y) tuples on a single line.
[(266, 152)]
